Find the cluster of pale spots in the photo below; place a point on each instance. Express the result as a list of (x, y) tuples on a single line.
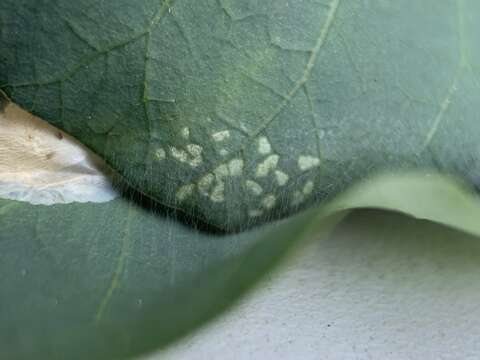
[(212, 184), (270, 182)]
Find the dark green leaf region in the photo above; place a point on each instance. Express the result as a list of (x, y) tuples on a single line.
[(240, 111)]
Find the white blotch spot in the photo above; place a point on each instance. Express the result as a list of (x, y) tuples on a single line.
[(253, 187), (195, 157), (185, 191), (235, 166), (160, 154), (255, 213), (205, 183), (223, 152), (264, 146), (194, 149), (186, 132), (307, 162), (179, 154), (218, 192), (196, 152), (269, 164), (221, 135), (221, 171), (269, 201), (308, 188), (300, 196), (282, 178), (297, 198)]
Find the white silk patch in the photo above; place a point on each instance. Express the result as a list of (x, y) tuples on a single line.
[(41, 165)]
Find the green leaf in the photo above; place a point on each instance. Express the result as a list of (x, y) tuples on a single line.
[(237, 112), (115, 280)]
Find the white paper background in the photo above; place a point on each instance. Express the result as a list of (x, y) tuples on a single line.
[(359, 294)]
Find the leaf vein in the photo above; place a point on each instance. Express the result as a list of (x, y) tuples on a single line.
[(120, 267), (308, 68)]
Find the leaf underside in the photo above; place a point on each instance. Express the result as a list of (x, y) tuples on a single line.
[(115, 280)]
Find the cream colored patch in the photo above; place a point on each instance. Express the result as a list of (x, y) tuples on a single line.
[(300, 196), (41, 165), (218, 192), (282, 178), (194, 149), (196, 152), (253, 187), (264, 146), (221, 135), (160, 154), (219, 174), (308, 188), (221, 171), (186, 132), (269, 201), (267, 165), (205, 183), (179, 154), (223, 152), (192, 156), (235, 167), (185, 191), (306, 162)]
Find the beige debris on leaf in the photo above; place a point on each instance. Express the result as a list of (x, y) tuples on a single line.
[(40, 164)]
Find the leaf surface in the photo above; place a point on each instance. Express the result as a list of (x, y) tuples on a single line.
[(117, 279), (237, 112)]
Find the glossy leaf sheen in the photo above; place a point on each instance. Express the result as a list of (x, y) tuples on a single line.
[(237, 112)]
